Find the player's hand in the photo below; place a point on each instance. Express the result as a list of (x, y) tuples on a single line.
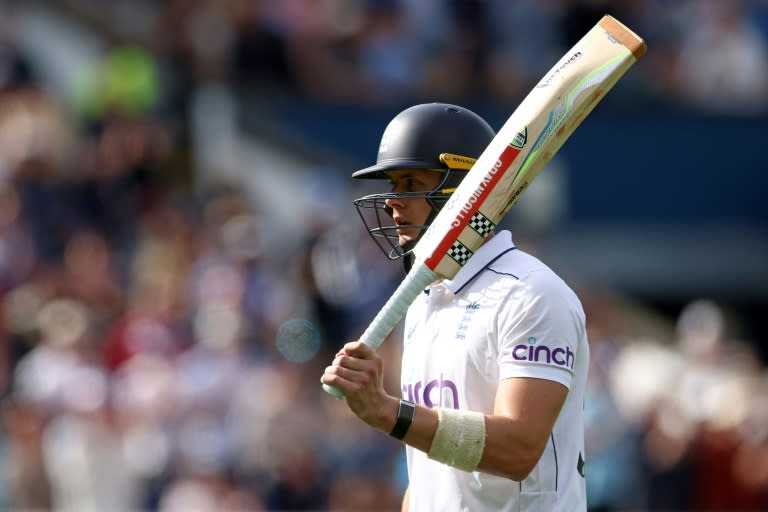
[(357, 370)]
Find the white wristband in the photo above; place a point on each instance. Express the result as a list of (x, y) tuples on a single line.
[(459, 439)]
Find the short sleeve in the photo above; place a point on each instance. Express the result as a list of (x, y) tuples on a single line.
[(539, 328)]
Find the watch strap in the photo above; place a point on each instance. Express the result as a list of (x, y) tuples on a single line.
[(405, 413)]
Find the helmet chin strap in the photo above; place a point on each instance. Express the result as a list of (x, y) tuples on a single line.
[(408, 257)]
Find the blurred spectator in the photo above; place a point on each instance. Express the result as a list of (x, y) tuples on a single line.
[(716, 396), (390, 57), (261, 54), (63, 380), (25, 479), (613, 441), (17, 250), (16, 71), (152, 320), (723, 60), (208, 493), (524, 44), (90, 276), (694, 402)]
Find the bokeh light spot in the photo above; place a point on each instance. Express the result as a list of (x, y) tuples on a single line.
[(298, 340)]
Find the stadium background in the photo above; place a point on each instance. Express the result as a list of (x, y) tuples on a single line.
[(179, 256)]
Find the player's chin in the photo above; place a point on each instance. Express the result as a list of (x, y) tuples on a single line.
[(406, 238)]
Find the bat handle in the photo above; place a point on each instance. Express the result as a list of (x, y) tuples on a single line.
[(417, 279)]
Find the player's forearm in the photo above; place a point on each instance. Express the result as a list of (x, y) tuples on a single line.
[(423, 428), (510, 450)]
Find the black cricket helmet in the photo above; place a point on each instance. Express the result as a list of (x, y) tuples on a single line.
[(435, 136)]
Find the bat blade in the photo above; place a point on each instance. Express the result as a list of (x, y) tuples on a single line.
[(525, 143)]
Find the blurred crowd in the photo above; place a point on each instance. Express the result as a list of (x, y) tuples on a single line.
[(157, 354), (677, 419), (708, 55), (162, 341)]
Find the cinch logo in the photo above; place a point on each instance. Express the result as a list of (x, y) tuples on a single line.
[(437, 392), (543, 354)]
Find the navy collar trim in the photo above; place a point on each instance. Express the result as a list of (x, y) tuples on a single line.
[(484, 267)]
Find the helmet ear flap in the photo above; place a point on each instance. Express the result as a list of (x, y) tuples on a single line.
[(454, 179), (440, 195)]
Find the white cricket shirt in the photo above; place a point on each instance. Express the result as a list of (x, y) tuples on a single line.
[(504, 315)]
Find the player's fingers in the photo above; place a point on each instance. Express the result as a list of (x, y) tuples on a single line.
[(348, 347), (343, 378), (336, 381), (353, 363), (358, 349)]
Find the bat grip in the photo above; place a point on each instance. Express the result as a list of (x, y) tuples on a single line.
[(387, 318)]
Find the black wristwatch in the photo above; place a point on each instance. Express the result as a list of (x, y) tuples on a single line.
[(404, 419)]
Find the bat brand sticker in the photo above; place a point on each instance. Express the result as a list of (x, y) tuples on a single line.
[(611, 38), (548, 80), (476, 194), (520, 139)]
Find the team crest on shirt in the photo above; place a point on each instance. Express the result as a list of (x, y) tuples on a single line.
[(469, 311)]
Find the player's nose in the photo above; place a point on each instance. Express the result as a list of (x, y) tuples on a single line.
[(394, 203)]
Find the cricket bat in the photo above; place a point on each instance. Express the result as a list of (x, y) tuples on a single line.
[(525, 143)]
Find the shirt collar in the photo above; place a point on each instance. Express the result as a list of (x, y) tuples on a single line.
[(499, 243)]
